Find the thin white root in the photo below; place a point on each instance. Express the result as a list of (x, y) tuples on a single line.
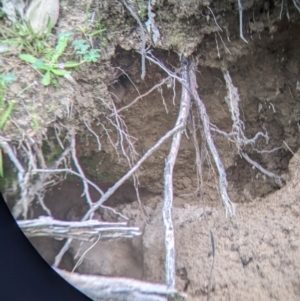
[(125, 140), (62, 252), (132, 82), (141, 96), (23, 177), (95, 135), (86, 191), (111, 190), (154, 60), (215, 18), (217, 45), (79, 262), (8, 150), (232, 99), (229, 206), (241, 21), (199, 158), (37, 187), (278, 179), (240, 138), (297, 4), (143, 38), (281, 10), (226, 48), (70, 171)]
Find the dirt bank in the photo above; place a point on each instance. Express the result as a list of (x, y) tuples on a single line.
[(252, 256)]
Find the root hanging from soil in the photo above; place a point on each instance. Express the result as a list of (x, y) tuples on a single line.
[(239, 138), (116, 289), (141, 96), (189, 89), (229, 207), (168, 177), (241, 21), (143, 38), (86, 231), (28, 189)]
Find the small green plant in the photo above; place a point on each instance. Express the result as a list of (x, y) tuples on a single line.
[(22, 37), (5, 79), (35, 121), (1, 164), (2, 13), (98, 30), (84, 51), (143, 9), (90, 30), (54, 82), (50, 65), (5, 115)]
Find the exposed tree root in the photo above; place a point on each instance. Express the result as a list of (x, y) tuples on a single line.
[(168, 176), (143, 38), (240, 139), (86, 191), (100, 288), (279, 181), (297, 4), (229, 207), (241, 21), (85, 231)]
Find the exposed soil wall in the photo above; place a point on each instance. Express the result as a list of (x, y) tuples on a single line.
[(255, 253)]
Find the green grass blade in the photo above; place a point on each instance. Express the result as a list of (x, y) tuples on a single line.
[(59, 72), (96, 32), (35, 122), (1, 165), (61, 46), (28, 58), (71, 64), (46, 79), (6, 114)]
